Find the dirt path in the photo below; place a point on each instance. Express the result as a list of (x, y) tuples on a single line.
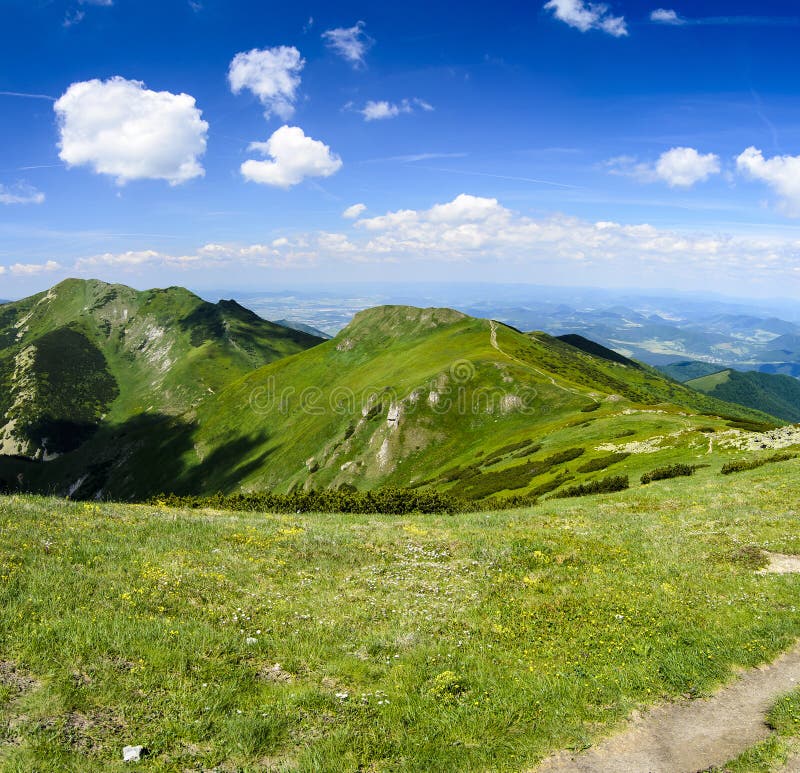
[(792, 764), (691, 736), (495, 345)]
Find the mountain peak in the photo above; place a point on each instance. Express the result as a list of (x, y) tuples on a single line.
[(393, 321)]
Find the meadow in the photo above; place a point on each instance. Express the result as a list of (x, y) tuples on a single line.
[(329, 642)]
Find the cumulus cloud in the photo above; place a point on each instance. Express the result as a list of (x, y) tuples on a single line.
[(120, 128), (666, 16), (294, 158), (588, 16), (272, 74), (683, 167), (282, 253), (678, 167), (30, 269), (476, 231), (351, 213), (20, 194), (377, 111), (382, 109), (781, 173), (351, 43)]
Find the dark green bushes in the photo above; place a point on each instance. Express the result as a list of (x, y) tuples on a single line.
[(602, 462), (395, 501), (603, 486), (670, 471), (751, 464), (519, 476)]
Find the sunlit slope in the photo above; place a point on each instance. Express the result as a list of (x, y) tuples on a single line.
[(406, 396)]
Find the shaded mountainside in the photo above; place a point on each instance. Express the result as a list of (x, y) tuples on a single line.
[(598, 350), (775, 394), (86, 353), (303, 328)]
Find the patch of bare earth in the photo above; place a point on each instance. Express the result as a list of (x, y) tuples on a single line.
[(781, 564), (691, 736), (15, 679)]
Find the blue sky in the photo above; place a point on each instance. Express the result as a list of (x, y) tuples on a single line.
[(632, 144)]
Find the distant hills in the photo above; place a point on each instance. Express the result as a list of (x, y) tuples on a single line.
[(652, 329), (294, 325), (775, 394), (110, 392)]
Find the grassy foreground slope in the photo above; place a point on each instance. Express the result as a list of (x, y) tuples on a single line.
[(325, 642)]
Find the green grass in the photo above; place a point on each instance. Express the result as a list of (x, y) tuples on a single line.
[(463, 643)]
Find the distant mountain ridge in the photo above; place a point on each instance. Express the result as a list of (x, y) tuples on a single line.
[(302, 327)]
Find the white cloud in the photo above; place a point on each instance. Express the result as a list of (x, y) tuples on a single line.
[(678, 167), (272, 74), (294, 158), (781, 173), (351, 43), (474, 232), (282, 253), (683, 167), (666, 16), (97, 2), (382, 109), (376, 111), (351, 213), (588, 16), (120, 128), (20, 194), (31, 269)]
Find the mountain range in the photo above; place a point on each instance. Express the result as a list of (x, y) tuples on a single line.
[(110, 392)]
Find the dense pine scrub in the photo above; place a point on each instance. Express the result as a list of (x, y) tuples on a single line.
[(394, 501), (670, 471), (603, 486), (740, 465)]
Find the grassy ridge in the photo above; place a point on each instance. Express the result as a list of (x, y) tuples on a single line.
[(440, 643)]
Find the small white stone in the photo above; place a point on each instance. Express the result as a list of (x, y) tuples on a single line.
[(132, 753)]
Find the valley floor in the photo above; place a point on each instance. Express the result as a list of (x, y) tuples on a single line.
[(486, 641)]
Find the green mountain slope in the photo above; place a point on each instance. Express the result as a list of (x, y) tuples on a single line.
[(88, 353), (775, 394), (407, 397)]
